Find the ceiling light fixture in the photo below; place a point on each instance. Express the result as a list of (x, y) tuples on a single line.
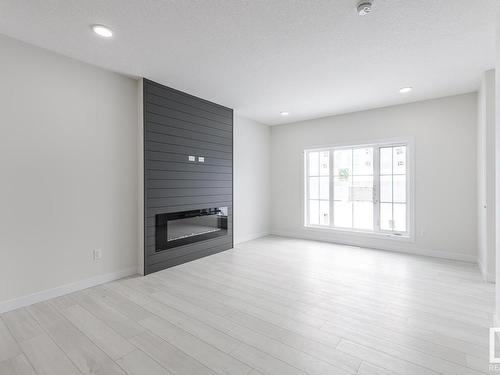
[(405, 90), (284, 113), (364, 7), (103, 31)]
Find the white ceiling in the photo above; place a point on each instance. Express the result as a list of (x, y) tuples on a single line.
[(309, 57)]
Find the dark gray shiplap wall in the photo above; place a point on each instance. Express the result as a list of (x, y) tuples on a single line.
[(177, 125)]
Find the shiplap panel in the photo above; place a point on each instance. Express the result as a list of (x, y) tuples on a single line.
[(195, 166), (202, 136), (189, 109), (186, 150), (181, 158), (181, 184), (188, 257), (178, 115), (178, 125), (160, 120), (173, 201), (162, 193), (184, 141), (175, 96), (190, 134), (179, 175)]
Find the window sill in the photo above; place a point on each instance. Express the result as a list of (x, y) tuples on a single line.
[(360, 233)]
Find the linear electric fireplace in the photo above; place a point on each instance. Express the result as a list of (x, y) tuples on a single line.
[(182, 228)]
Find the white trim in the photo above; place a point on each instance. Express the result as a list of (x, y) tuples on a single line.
[(394, 247), (44, 295), (369, 143), (488, 277), (360, 233)]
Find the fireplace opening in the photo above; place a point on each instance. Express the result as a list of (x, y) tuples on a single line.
[(185, 227)]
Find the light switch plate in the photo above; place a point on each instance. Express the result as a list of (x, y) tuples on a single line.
[(191, 158), (201, 159)]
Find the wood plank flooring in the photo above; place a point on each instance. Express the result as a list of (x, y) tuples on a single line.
[(269, 306)]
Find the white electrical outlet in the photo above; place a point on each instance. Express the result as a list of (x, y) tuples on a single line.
[(201, 159), (97, 254), (192, 158)]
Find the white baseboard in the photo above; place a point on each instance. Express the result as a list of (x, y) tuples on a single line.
[(396, 247), (44, 295), (249, 237), (488, 277)]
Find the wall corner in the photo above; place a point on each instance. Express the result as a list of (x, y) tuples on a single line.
[(140, 168)]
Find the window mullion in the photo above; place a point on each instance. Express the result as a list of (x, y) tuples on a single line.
[(376, 189), (351, 186), (331, 188), (306, 187), (409, 198), (392, 189)]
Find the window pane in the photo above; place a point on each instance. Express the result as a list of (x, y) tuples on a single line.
[(313, 187), (314, 212), (313, 163), (324, 186), (399, 155), (386, 188), (393, 187), (399, 188), (341, 188), (324, 212), (362, 188), (386, 216), (386, 160), (318, 188), (363, 215), (342, 214), (342, 162), (400, 217), (324, 163), (363, 161)]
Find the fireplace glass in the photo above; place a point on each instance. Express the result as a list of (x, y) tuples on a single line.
[(182, 228)]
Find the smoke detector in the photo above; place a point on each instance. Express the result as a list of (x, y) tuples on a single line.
[(365, 7)]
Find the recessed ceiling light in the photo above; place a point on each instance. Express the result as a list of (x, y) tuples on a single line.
[(103, 31), (284, 113), (405, 90)]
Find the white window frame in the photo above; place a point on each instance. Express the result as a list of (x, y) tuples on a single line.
[(410, 190)]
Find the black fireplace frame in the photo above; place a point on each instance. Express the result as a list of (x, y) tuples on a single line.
[(161, 233)]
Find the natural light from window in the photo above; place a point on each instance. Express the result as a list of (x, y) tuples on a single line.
[(358, 188)]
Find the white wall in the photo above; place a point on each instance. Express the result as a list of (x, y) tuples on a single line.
[(497, 174), (444, 132), (486, 176), (252, 179), (68, 169)]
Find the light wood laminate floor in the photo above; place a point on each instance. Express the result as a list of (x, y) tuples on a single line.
[(270, 306)]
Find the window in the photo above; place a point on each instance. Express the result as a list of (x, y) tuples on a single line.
[(319, 187), (359, 188)]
